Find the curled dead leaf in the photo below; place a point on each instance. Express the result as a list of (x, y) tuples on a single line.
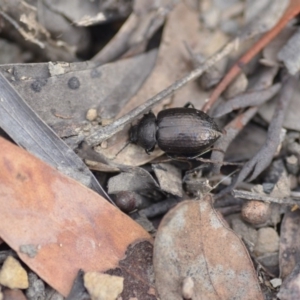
[(194, 242)]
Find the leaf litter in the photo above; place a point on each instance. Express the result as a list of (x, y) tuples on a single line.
[(90, 105)]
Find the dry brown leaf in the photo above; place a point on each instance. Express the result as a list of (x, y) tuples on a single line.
[(193, 243), (58, 226)]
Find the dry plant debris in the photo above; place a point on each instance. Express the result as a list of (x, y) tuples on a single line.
[(110, 63), (194, 242)]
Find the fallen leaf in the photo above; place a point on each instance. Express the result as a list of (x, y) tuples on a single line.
[(70, 226), (193, 241)]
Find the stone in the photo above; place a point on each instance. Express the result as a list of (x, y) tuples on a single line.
[(13, 275), (36, 288), (267, 241), (103, 286), (91, 114)]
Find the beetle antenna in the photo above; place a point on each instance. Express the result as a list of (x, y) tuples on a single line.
[(218, 183), (223, 179), (126, 144), (223, 163)]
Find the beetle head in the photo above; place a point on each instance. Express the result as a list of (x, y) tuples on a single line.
[(144, 133)]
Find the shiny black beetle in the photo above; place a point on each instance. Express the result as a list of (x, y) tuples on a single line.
[(180, 131)]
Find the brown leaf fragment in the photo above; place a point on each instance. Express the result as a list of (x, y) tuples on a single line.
[(71, 226), (193, 242), (289, 247)]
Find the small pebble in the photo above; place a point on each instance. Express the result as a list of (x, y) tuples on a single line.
[(188, 288), (292, 164), (91, 114), (267, 241), (36, 288), (268, 187), (103, 286), (13, 275), (256, 212), (126, 201), (276, 282), (104, 145)]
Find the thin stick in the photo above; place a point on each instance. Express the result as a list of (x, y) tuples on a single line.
[(104, 133), (292, 10)]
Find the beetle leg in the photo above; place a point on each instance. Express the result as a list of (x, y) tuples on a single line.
[(149, 150), (189, 104)]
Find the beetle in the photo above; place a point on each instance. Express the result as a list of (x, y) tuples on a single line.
[(181, 131)]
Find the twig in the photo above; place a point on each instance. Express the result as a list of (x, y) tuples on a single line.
[(224, 163), (232, 129), (109, 130), (292, 10), (249, 98), (259, 197), (265, 155)]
